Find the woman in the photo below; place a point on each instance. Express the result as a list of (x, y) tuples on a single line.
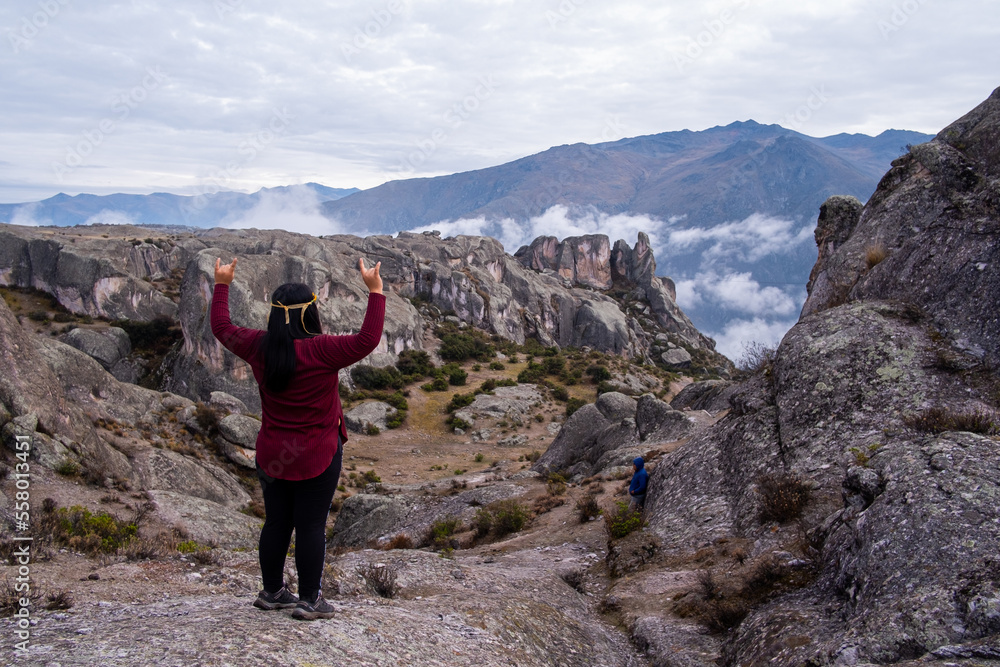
[(300, 446)]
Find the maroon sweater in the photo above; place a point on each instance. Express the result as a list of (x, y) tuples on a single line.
[(299, 426)]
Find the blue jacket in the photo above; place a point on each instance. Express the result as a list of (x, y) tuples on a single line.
[(639, 480)]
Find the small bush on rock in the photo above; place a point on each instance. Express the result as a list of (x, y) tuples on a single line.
[(380, 578), (622, 520), (783, 497)]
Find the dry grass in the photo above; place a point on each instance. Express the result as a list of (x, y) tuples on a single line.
[(875, 254), (380, 578), (940, 420), (783, 497)]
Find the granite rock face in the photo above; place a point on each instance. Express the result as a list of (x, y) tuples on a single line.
[(610, 300), (933, 218), (903, 525), (96, 276), (372, 413), (610, 433)]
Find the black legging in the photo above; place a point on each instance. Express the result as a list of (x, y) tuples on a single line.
[(303, 505)]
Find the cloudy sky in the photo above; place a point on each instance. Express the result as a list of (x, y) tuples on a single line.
[(146, 96)]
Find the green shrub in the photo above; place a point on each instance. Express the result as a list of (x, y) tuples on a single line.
[(604, 388), (598, 373), (78, 528), (397, 400), (456, 376), (478, 458), (457, 422), (372, 429), (560, 393), (370, 477), (41, 316), (68, 468), (459, 401), (534, 373), (622, 520), (370, 377), (783, 497), (414, 363), (441, 531), (437, 384), (483, 522), (574, 404), (554, 365), (396, 420), (509, 516), (497, 366), (462, 346)]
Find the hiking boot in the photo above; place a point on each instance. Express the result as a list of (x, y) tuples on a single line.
[(310, 611), (283, 599)]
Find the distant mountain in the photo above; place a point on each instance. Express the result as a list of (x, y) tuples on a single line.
[(729, 210), (703, 178), (161, 208)]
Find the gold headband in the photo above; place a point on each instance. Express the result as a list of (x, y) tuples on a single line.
[(302, 315)]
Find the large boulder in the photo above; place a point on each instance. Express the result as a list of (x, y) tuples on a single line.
[(363, 518), (926, 236), (366, 415), (709, 395), (165, 470), (205, 521), (110, 346), (240, 430)]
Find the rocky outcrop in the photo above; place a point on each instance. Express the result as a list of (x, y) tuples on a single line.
[(902, 527), (926, 236), (587, 261), (367, 415), (89, 274), (510, 403), (469, 278), (610, 433), (369, 519), (110, 346), (710, 395)]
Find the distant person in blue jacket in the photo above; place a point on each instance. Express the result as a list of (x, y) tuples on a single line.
[(640, 479)]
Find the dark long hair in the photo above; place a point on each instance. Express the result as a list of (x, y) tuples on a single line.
[(278, 344)]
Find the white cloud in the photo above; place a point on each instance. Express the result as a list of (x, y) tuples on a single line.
[(747, 240), (107, 217), (296, 209), (556, 81), (735, 291), (738, 334), (557, 221), (25, 215)]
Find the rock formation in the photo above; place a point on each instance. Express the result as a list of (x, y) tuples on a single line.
[(125, 277), (605, 436), (902, 529)]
